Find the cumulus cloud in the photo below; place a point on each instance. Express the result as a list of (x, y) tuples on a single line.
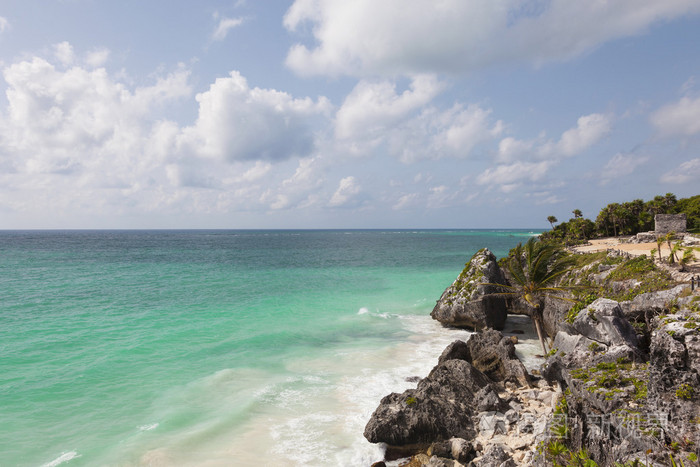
[(622, 164), (460, 129), (391, 37), (406, 123), (507, 177), (679, 118), (509, 148), (64, 53), (237, 122), (78, 140), (224, 26), (300, 190), (373, 107), (688, 171), (97, 58), (97, 144), (58, 121), (347, 194), (589, 130)]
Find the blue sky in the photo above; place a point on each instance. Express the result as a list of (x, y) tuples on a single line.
[(336, 114)]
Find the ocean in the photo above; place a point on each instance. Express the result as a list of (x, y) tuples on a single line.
[(216, 348)]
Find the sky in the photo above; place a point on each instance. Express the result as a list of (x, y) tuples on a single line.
[(247, 114)]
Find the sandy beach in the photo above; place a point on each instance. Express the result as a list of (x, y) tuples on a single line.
[(633, 249)]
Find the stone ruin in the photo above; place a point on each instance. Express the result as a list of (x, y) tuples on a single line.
[(665, 223)]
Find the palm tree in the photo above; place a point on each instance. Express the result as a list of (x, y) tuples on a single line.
[(659, 244), (534, 269), (687, 258), (671, 255), (552, 220)]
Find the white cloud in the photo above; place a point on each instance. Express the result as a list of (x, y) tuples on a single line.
[(459, 130), (589, 130), (373, 107), (4, 24), (688, 171), (77, 140), (406, 201), (508, 177), (680, 118), (510, 147), (365, 36), (347, 194), (58, 121), (622, 164), (300, 190), (237, 122), (224, 27), (97, 57), (64, 53), (374, 116)]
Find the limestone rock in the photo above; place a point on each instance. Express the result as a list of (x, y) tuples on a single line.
[(651, 303), (494, 355), (604, 322), (469, 302), (497, 457), (441, 407)]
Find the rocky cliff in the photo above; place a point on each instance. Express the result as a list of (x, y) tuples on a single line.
[(622, 384), (470, 301)]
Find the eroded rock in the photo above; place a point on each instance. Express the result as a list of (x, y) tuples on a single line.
[(470, 301)]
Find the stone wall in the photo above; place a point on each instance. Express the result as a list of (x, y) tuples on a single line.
[(666, 223)]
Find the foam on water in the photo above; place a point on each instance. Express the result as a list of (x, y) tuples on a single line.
[(65, 457), (149, 427)]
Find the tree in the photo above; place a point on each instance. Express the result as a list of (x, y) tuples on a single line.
[(577, 213), (687, 258), (534, 269), (659, 244), (552, 220), (671, 253)]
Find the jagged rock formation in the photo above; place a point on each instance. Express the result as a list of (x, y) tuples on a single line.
[(447, 403), (624, 404), (469, 302), (621, 385)]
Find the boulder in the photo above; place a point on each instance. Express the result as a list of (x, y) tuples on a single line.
[(469, 302), (604, 322), (454, 448), (497, 457), (599, 333), (651, 303), (440, 408), (494, 355)]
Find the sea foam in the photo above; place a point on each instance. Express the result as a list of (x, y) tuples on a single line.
[(65, 457)]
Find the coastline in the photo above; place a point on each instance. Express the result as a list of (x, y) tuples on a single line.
[(564, 396)]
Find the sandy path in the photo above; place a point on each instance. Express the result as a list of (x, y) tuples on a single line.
[(634, 249)]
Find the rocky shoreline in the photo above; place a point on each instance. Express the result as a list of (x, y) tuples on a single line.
[(620, 386)]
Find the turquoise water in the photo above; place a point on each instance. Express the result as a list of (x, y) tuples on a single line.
[(215, 347)]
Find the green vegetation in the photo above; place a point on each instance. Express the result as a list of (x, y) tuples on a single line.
[(466, 287), (609, 379), (685, 392), (647, 276), (641, 269), (626, 218), (582, 303), (555, 449)]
